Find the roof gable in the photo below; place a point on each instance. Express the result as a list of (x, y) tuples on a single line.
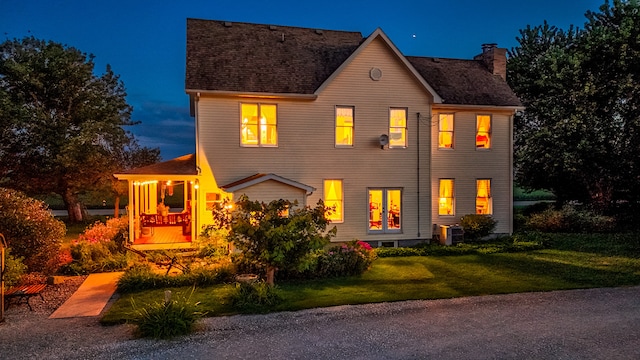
[(378, 33), (260, 178)]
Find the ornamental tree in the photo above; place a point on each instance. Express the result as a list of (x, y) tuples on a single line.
[(62, 126), (276, 235)]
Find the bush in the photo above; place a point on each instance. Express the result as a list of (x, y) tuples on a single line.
[(99, 248), (570, 219), (168, 318), (31, 230), (13, 269), (477, 226), (350, 259), (212, 243), (255, 297)]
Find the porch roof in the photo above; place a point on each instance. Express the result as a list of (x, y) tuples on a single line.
[(259, 178), (183, 166)]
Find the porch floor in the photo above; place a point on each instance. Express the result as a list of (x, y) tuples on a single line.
[(169, 237)]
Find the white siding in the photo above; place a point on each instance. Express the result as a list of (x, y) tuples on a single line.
[(465, 164), (306, 149)]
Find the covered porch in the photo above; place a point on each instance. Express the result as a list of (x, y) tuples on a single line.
[(162, 206)]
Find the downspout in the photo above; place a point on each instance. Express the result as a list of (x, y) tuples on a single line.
[(195, 202), (418, 170)]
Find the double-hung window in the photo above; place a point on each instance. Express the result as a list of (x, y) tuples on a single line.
[(258, 125), (397, 128), (446, 199), (445, 131), (333, 199), (344, 125), (484, 203), (483, 132)]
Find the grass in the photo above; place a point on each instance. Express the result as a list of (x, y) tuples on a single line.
[(520, 195), (575, 261)]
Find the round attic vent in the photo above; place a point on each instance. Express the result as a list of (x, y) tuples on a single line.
[(375, 74)]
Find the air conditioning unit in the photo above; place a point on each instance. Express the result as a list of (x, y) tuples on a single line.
[(451, 234)]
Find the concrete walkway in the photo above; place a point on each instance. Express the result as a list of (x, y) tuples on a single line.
[(90, 298)]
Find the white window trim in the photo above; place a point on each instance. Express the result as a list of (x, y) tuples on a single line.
[(406, 127), (259, 144), (353, 127), (385, 211)]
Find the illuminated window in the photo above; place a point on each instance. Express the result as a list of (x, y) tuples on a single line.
[(483, 132), (445, 131), (211, 200), (258, 125), (484, 203), (333, 200), (344, 126), (385, 210), (397, 128), (446, 198)]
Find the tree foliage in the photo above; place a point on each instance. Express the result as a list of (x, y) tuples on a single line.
[(277, 235), (580, 132), (30, 229), (62, 126)]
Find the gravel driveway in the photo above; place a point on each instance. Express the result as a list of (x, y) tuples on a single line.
[(576, 324)]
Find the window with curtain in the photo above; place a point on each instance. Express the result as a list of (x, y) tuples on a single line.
[(333, 200), (446, 197), (385, 210), (397, 128), (483, 197), (344, 125), (258, 125), (483, 132), (445, 131)]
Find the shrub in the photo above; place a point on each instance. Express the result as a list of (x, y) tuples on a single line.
[(255, 297), (13, 269), (477, 226), (99, 248), (168, 318), (570, 219), (213, 243), (30, 229)]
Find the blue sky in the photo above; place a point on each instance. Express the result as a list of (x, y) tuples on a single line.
[(144, 41)]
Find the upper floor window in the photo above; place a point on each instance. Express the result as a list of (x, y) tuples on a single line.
[(333, 200), (483, 132), (446, 199), (483, 197), (445, 131), (397, 128), (344, 125), (258, 125)]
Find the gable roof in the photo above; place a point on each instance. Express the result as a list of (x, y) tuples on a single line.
[(225, 57), (465, 82), (243, 57), (260, 178), (183, 165)]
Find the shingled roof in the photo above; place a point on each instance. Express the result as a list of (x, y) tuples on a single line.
[(256, 58), (466, 82), (244, 57), (184, 165)]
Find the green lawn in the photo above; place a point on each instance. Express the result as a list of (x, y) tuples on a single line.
[(569, 265)]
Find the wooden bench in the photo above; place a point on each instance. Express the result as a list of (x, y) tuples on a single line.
[(23, 292)]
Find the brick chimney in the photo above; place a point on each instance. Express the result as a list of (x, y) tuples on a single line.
[(495, 59)]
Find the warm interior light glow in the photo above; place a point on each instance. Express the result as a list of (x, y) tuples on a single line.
[(333, 200), (446, 196)]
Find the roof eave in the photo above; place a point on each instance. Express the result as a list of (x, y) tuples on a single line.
[(510, 108), (248, 94)]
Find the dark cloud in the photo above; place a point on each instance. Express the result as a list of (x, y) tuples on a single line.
[(168, 127)]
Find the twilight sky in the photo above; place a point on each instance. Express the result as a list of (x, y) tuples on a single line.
[(144, 41)]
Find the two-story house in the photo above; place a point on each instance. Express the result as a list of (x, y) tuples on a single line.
[(397, 145)]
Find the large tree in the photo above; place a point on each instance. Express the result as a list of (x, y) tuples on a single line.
[(62, 126), (580, 132)]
